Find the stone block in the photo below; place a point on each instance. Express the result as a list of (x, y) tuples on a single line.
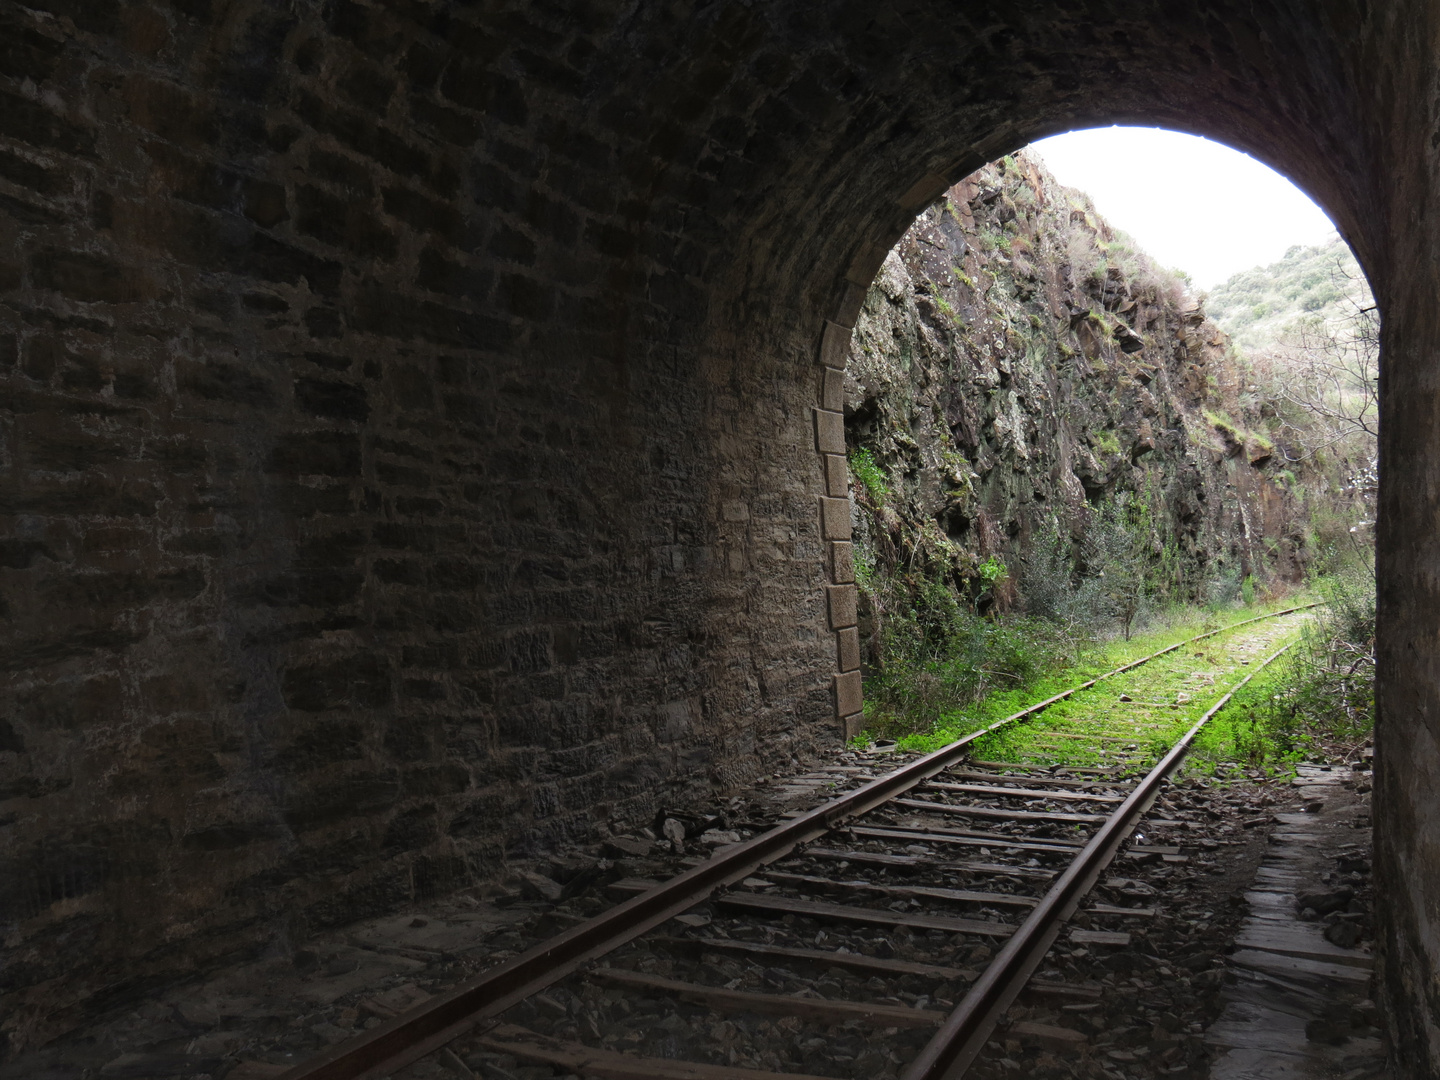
[(847, 649), (832, 390), (388, 314), (31, 122), (83, 276), (123, 590), (425, 214), (335, 220), (835, 344), (829, 432), (848, 697), (842, 605), (319, 453), (347, 796), (446, 778), (837, 477), (336, 549), (842, 563), (866, 263), (443, 275), (272, 260), (228, 835), (852, 725), (852, 299), (331, 400), (412, 829), (26, 173), (924, 191), (224, 383), (424, 690), (362, 680), (162, 695), (835, 519), (265, 203)]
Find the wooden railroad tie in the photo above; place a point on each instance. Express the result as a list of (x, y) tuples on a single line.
[(749, 1001), (1058, 816), (582, 1060), (815, 909), (1024, 793)]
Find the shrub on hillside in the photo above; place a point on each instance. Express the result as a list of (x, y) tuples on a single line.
[(936, 655), (1331, 688), (1111, 581), (1321, 695)]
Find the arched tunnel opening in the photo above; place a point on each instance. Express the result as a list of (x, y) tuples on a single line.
[(1032, 401), (412, 413)]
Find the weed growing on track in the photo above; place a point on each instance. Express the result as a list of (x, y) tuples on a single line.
[(937, 665), (1100, 705), (1166, 698), (1318, 700)]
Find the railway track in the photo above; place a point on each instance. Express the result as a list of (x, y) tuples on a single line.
[(890, 928)]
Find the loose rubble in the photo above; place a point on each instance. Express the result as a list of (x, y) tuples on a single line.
[(1150, 978)]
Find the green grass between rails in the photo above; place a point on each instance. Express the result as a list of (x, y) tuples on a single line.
[(1153, 722), (1239, 738), (1099, 705)]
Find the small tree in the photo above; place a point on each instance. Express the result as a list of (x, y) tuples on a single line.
[(1328, 373), (1109, 579), (1116, 554), (1051, 584), (1322, 388)]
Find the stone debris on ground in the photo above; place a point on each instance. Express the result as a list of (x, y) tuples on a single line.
[(1177, 965), (255, 1019), (1300, 1001)]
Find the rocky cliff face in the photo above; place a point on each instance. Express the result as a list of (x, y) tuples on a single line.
[(1018, 365)]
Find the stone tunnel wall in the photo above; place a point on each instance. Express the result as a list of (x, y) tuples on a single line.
[(370, 513), (408, 440)]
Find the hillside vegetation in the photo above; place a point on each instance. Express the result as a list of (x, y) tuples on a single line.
[(1308, 333), (1264, 306)]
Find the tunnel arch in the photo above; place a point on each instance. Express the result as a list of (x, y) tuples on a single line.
[(832, 349), (412, 417)]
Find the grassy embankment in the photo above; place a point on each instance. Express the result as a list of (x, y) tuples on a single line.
[(1038, 679), (1153, 705), (1316, 702)]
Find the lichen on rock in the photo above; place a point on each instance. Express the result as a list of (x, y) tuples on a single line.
[(1018, 366)]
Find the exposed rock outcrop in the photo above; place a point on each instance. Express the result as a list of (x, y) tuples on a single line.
[(1018, 362)]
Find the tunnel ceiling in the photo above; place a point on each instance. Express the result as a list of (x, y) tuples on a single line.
[(805, 134)]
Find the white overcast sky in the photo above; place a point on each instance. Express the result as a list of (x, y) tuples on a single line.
[(1192, 204)]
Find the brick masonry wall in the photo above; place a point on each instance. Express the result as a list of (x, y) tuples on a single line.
[(363, 520), (414, 444)]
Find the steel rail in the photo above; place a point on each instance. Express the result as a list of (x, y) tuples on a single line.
[(963, 1035), (447, 1016)]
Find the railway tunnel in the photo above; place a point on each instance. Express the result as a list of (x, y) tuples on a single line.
[(421, 423)]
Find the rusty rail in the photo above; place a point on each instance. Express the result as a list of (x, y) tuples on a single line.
[(963, 1035), (445, 1017)]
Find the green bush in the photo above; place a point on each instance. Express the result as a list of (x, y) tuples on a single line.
[(1319, 697), (865, 469), (936, 655), (1049, 584), (1116, 553), (1109, 578), (1224, 589), (1331, 689)]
